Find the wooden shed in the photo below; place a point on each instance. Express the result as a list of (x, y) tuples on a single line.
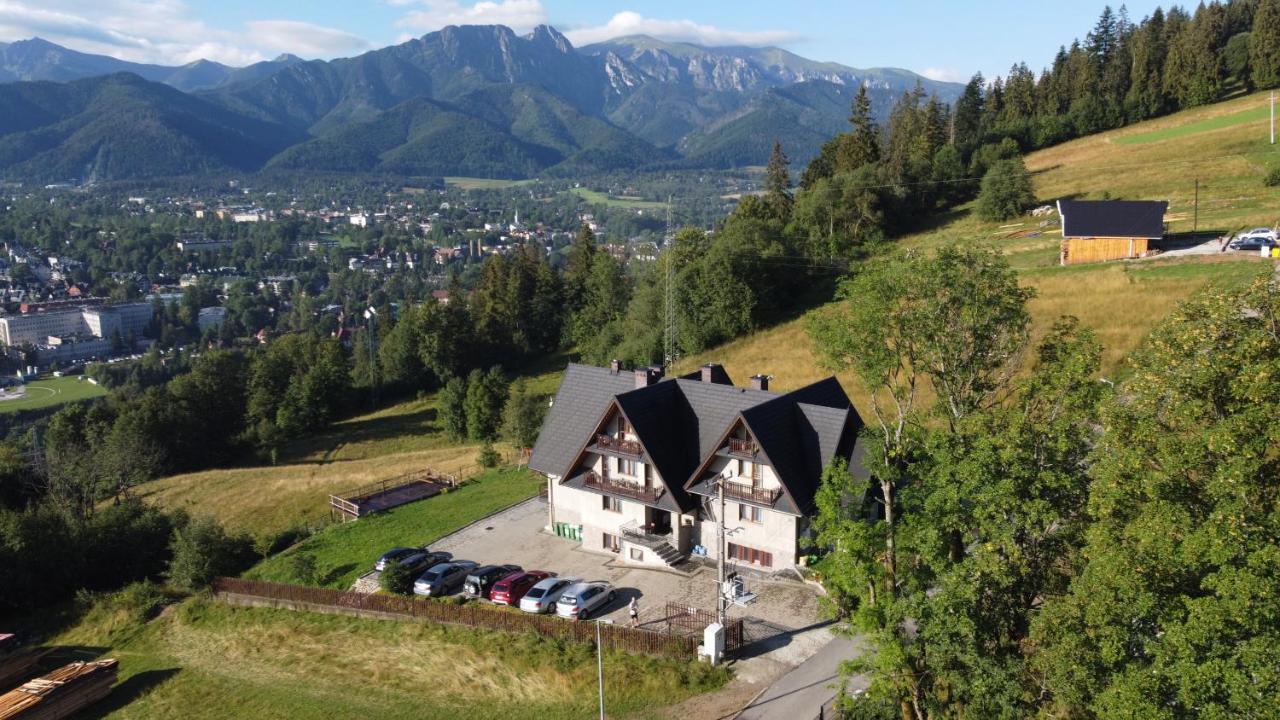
[(1098, 230)]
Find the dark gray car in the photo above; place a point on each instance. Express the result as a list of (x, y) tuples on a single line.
[(443, 579)]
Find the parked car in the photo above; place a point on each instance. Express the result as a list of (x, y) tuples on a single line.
[(423, 559), (581, 599), (393, 555), (1254, 239), (511, 588), (442, 579), (542, 597), (481, 580)]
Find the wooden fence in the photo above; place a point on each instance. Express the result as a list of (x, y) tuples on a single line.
[(471, 614)]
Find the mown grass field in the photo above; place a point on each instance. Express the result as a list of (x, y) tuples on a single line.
[(50, 392), (202, 660), (598, 198), (343, 552), (470, 183)]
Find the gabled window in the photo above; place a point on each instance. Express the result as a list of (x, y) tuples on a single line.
[(626, 467)]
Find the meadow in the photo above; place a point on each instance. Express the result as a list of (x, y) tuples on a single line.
[(344, 551), (598, 198), (471, 183), (199, 659), (52, 391)]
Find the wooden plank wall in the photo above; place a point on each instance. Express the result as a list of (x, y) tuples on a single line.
[(1088, 250)]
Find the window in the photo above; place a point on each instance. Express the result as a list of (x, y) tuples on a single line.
[(611, 544), (757, 472), (626, 467), (637, 554), (742, 553), (612, 504), (624, 427), (750, 513)]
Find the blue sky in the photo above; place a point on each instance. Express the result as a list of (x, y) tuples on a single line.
[(942, 39)]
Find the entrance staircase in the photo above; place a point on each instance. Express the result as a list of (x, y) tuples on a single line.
[(658, 542)]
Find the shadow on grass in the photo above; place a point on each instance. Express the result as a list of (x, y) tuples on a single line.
[(126, 692), (354, 432), (337, 572)]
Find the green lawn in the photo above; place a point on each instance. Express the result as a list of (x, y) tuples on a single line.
[(202, 660), (599, 198), (53, 391), (1214, 123), (344, 552), (470, 183)]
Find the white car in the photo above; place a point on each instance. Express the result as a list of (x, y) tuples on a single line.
[(542, 597), (581, 599)]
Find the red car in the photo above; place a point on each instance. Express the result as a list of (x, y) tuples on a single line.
[(511, 588)]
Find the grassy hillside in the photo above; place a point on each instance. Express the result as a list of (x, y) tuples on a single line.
[(204, 660), (1224, 145), (343, 552)]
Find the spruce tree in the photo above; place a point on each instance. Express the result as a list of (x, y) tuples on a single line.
[(861, 146), (777, 183), (1264, 45)]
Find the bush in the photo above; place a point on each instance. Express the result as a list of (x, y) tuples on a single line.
[(397, 579), (302, 568), (1272, 178), (1006, 191), (202, 551), (488, 457)]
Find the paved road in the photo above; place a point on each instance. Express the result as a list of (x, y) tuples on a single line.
[(799, 694)]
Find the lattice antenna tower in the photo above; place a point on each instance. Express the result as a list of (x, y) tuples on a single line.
[(669, 300)]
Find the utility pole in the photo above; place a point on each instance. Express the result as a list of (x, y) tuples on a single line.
[(372, 315), (669, 299), (721, 604), (1273, 117), (1195, 218), (600, 668)]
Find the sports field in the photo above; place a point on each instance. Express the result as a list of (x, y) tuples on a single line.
[(50, 392)]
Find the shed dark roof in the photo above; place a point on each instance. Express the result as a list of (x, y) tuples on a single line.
[(1112, 218), (681, 421)]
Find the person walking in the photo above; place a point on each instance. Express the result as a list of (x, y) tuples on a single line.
[(633, 607)]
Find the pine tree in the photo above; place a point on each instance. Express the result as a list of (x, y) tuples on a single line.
[(1264, 45), (577, 266), (777, 183), (967, 118)]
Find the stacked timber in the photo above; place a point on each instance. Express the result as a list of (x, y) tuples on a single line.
[(61, 693), (16, 661)]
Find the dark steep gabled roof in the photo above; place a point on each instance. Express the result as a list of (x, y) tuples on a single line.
[(1112, 218), (585, 392), (682, 422)]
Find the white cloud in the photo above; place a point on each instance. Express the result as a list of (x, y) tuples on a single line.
[(945, 74), (164, 31), (633, 23), (519, 15)]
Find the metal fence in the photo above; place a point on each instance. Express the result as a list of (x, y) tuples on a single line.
[(616, 637), (692, 621)]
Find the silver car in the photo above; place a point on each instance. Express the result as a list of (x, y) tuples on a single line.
[(581, 599), (442, 579), (542, 597)]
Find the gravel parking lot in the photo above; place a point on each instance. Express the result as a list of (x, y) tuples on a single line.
[(785, 617)]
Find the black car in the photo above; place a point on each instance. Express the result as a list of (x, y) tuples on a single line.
[(424, 559), (481, 580)]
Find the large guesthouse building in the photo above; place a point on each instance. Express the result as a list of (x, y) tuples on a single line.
[(634, 462)]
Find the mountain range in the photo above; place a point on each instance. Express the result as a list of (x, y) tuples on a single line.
[(465, 100)]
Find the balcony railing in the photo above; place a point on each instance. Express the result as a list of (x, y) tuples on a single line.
[(750, 493), (618, 486), (619, 445), (645, 535), (740, 446)]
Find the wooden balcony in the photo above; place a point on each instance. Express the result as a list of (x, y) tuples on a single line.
[(743, 491), (619, 445), (619, 486), (742, 447)]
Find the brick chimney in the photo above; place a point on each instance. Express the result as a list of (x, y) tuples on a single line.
[(615, 366), (709, 372), (648, 376), (759, 382)]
